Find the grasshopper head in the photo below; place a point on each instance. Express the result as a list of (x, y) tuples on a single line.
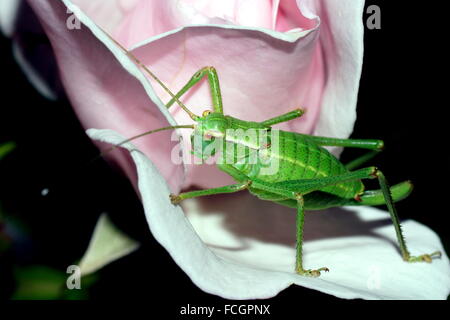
[(209, 131)]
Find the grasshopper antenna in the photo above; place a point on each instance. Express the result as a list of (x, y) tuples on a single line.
[(151, 74), (103, 153), (193, 116), (174, 97), (75, 173)]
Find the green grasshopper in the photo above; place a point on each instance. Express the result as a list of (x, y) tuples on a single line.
[(309, 177)]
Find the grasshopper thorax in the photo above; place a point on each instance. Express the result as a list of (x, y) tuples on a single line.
[(210, 126)]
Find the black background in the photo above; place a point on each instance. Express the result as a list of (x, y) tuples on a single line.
[(401, 100)]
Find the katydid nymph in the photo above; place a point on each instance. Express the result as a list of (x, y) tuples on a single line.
[(308, 176)]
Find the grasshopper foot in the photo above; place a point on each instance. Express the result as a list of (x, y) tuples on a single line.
[(175, 199), (310, 272), (424, 257)]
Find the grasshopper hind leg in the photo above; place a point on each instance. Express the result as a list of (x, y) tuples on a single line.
[(396, 221)]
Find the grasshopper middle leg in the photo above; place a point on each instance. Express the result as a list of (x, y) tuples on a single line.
[(175, 199), (300, 221)]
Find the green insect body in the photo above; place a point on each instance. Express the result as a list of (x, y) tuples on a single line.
[(308, 176), (298, 157)]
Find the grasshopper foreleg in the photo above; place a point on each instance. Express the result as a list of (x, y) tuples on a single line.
[(284, 117), (214, 86)]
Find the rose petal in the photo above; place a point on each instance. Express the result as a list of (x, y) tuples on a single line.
[(107, 14), (8, 15), (248, 247), (107, 245), (289, 17), (249, 13), (300, 53), (222, 277), (342, 47), (251, 88), (101, 91)]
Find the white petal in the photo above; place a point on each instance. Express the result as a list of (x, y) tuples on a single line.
[(244, 248), (107, 245), (8, 14)]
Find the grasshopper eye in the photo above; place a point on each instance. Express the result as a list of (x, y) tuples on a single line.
[(206, 113)]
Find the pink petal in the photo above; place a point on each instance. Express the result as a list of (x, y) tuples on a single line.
[(341, 42), (107, 14), (102, 93), (250, 13), (289, 17), (245, 58), (252, 88)]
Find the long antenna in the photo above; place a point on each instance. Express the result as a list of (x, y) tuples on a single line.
[(139, 63), (186, 126)]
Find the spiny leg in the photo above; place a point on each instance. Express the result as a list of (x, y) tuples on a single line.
[(289, 189), (284, 117), (214, 85), (395, 220), (206, 192), (300, 221), (293, 187)]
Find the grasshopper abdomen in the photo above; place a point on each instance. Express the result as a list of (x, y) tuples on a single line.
[(295, 157)]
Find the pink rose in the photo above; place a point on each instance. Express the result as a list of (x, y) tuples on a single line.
[(253, 89), (272, 57)]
